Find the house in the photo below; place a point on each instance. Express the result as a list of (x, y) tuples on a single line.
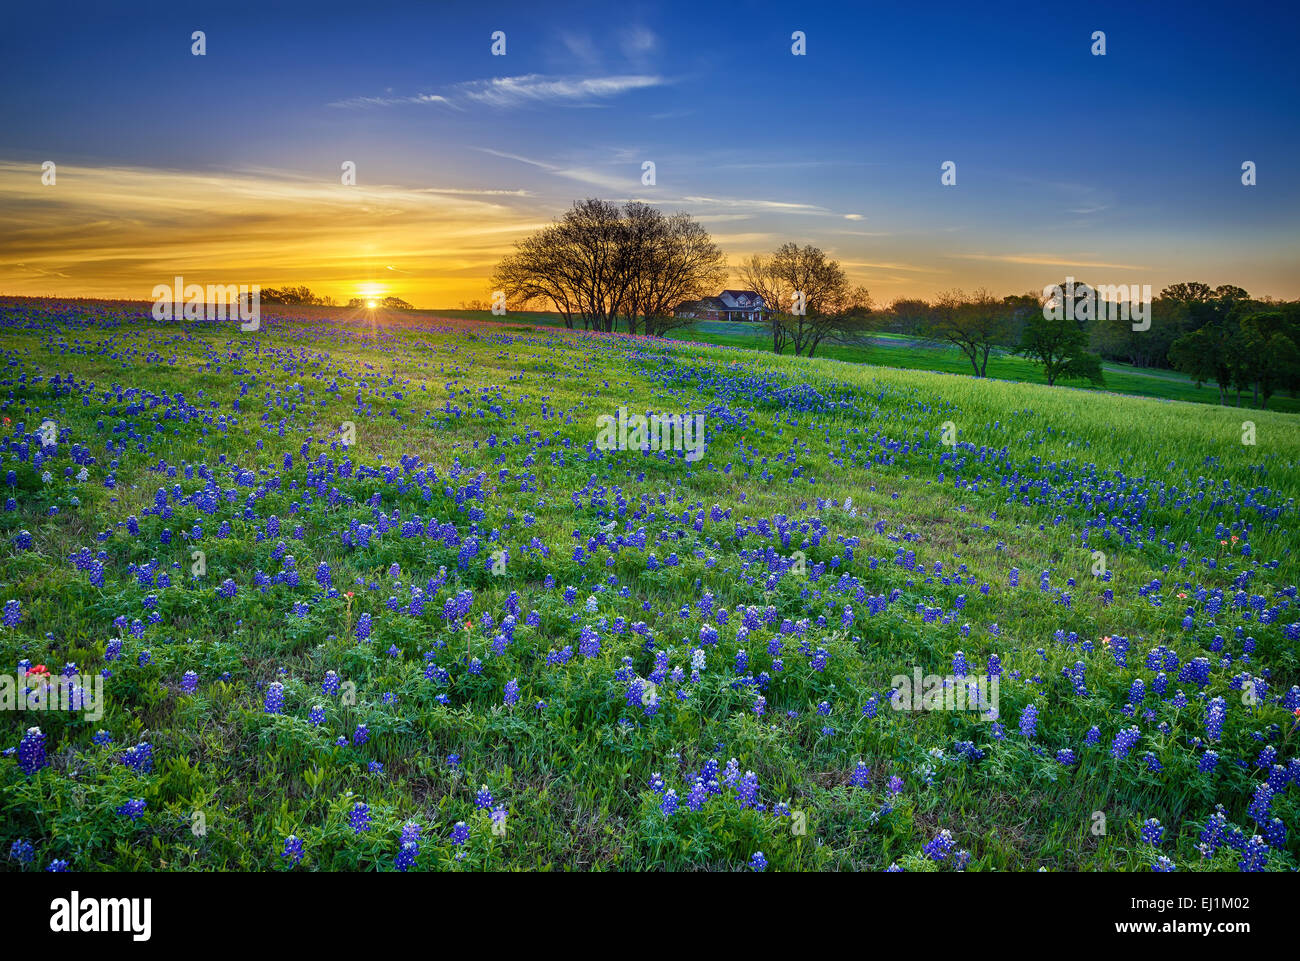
[(728, 305)]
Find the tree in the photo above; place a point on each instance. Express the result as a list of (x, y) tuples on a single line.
[(974, 326), (666, 260), (1205, 354), (761, 275), (600, 263), (909, 315), (1061, 347), (809, 296), (1212, 347), (1073, 299), (1270, 358), (300, 295)]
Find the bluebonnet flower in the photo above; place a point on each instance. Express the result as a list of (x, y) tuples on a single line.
[(190, 682), (1029, 721), (58, 866), (1124, 741), (758, 862), (1216, 713), (31, 751), (860, 776), (940, 846), (512, 692), (13, 613), (330, 685), (669, 803), (698, 795), (459, 833), (22, 851), (1153, 832), (359, 819), (292, 849), (747, 791), (1254, 855), (483, 799), (409, 844), (1163, 865), (360, 735), (133, 809), (316, 716), (274, 702)]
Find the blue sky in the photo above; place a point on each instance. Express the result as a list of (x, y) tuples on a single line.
[(1117, 169)]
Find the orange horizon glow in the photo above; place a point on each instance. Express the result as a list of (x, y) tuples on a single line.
[(116, 232)]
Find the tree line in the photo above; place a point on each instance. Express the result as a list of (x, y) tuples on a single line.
[(1218, 335)]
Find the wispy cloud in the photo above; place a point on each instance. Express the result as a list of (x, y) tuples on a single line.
[(420, 98), (586, 175), (1050, 260), (529, 89), (536, 88)]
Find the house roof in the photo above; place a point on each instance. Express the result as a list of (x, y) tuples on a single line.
[(741, 300), (728, 300)]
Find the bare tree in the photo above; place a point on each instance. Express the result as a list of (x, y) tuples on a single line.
[(762, 275), (599, 263), (975, 325), (670, 260), (807, 291)]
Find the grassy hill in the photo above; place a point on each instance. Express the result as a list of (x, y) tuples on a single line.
[(357, 583)]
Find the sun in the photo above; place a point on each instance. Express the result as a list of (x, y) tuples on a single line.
[(371, 304)]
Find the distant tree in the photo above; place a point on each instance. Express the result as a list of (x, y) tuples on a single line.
[(1270, 356), (300, 295), (763, 276), (849, 320), (1206, 354), (396, 303), (1190, 292), (1074, 299), (1212, 347), (1061, 347), (475, 304), (975, 325), (805, 280), (908, 315)]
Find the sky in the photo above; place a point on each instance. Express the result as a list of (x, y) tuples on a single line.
[(227, 168)]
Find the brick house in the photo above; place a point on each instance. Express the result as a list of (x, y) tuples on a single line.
[(728, 305)]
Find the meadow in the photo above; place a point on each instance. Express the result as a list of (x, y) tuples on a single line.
[(365, 594), (887, 349)]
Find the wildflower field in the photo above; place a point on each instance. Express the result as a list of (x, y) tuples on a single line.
[(365, 593)]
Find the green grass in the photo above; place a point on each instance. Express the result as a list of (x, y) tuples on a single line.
[(909, 353), (1032, 471)]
